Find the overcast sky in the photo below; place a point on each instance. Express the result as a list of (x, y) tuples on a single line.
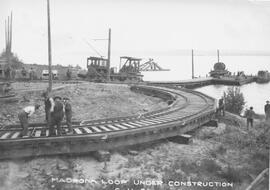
[(139, 27)]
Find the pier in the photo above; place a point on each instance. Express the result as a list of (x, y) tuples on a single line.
[(200, 82)]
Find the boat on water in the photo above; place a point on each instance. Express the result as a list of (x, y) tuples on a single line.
[(263, 77)]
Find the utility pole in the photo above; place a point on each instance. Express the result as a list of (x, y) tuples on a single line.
[(10, 37), (109, 56), (6, 35), (49, 47), (218, 55), (192, 59)]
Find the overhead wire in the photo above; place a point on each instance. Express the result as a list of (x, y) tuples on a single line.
[(92, 47)]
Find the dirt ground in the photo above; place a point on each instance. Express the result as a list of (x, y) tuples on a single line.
[(228, 153), (89, 101)]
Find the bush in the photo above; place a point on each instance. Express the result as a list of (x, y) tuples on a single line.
[(234, 100), (232, 175)]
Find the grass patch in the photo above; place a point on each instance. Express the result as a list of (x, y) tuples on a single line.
[(232, 175)]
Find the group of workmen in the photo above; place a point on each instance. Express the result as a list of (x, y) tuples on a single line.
[(249, 113), (55, 110)]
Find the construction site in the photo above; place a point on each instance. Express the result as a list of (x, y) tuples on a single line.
[(126, 133)]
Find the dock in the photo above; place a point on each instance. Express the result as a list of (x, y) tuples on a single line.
[(200, 82)]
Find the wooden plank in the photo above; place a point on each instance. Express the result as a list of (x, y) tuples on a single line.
[(132, 123), (87, 130), (149, 122), (38, 133), (163, 120), (15, 135), (78, 131), (142, 123), (126, 124), (96, 129), (47, 132), (120, 126), (5, 135), (113, 127), (154, 121), (105, 128)]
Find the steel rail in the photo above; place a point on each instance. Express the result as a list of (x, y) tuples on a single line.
[(177, 118)]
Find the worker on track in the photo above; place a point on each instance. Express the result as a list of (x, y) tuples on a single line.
[(49, 105), (56, 117), (23, 116), (68, 114)]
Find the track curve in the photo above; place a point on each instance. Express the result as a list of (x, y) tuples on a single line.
[(186, 110)]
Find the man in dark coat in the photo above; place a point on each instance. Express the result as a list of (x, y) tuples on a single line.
[(49, 105), (250, 114), (56, 117), (221, 106), (267, 111), (68, 114)]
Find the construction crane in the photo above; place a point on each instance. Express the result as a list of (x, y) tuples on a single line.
[(151, 66)]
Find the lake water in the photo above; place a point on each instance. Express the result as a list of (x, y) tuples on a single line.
[(255, 94), (180, 69), (180, 66)]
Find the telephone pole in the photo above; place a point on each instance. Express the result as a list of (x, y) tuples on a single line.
[(109, 56), (49, 47), (218, 55), (192, 60)]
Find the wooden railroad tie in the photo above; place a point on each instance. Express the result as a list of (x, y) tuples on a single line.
[(181, 139)]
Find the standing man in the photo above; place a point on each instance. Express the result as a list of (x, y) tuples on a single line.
[(56, 117), (69, 73), (23, 117), (49, 105), (68, 114), (221, 106), (267, 111), (250, 117)]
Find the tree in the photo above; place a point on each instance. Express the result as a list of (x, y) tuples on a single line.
[(234, 100)]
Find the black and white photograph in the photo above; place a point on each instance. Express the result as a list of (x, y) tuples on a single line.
[(134, 95)]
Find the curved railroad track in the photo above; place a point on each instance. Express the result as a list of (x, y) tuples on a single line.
[(186, 110)]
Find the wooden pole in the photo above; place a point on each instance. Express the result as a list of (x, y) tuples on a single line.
[(10, 37), (8, 46), (6, 35), (49, 47), (218, 55), (109, 56), (192, 59), (8, 32)]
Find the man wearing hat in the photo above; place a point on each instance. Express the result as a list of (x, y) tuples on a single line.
[(56, 117), (68, 114), (250, 117), (267, 111), (23, 116), (49, 105)]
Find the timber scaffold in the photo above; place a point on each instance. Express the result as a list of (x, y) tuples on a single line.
[(186, 111)]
